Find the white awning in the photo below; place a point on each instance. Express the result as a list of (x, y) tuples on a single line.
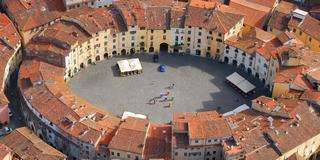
[(243, 84), (127, 114), (237, 110), (129, 65)]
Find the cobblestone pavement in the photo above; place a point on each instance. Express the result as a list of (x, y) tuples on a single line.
[(199, 86)]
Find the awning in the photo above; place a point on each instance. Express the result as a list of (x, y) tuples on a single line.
[(244, 85), (129, 65), (237, 110)]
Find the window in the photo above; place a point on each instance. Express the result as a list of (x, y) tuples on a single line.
[(114, 40), (209, 48), (123, 38), (189, 32), (128, 156), (310, 39), (196, 141), (200, 28), (199, 40), (142, 28), (164, 37), (142, 37), (218, 50), (185, 154), (300, 33), (210, 32), (209, 140), (176, 153), (151, 30), (118, 154), (132, 44), (214, 152), (199, 33), (151, 37), (164, 31), (294, 30), (188, 39), (123, 33), (219, 35)]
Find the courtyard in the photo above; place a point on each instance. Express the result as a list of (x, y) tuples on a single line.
[(199, 85)]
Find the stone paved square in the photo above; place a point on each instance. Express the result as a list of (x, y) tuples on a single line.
[(199, 86)]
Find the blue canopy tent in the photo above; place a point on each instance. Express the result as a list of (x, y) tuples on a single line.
[(162, 68)]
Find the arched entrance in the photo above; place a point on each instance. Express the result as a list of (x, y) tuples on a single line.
[(198, 52), (114, 52), (151, 50), (164, 48), (123, 52), (89, 61), (132, 51), (249, 71), (75, 70), (234, 63), (188, 51), (81, 65), (257, 75), (242, 67), (105, 55), (98, 58), (226, 60), (208, 55)]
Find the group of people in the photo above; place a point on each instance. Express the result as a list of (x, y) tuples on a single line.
[(164, 97)]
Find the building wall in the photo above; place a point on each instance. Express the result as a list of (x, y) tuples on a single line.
[(309, 40), (280, 89), (122, 155), (304, 150), (51, 134)]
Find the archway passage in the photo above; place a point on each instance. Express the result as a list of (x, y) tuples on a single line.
[(226, 60), (98, 58), (89, 61), (151, 50), (234, 63), (164, 48), (123, 52), (105, 55), (249, 71), (132, 51)]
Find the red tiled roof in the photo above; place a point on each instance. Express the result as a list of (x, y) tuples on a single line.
[(4, 151), (24, 143)]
